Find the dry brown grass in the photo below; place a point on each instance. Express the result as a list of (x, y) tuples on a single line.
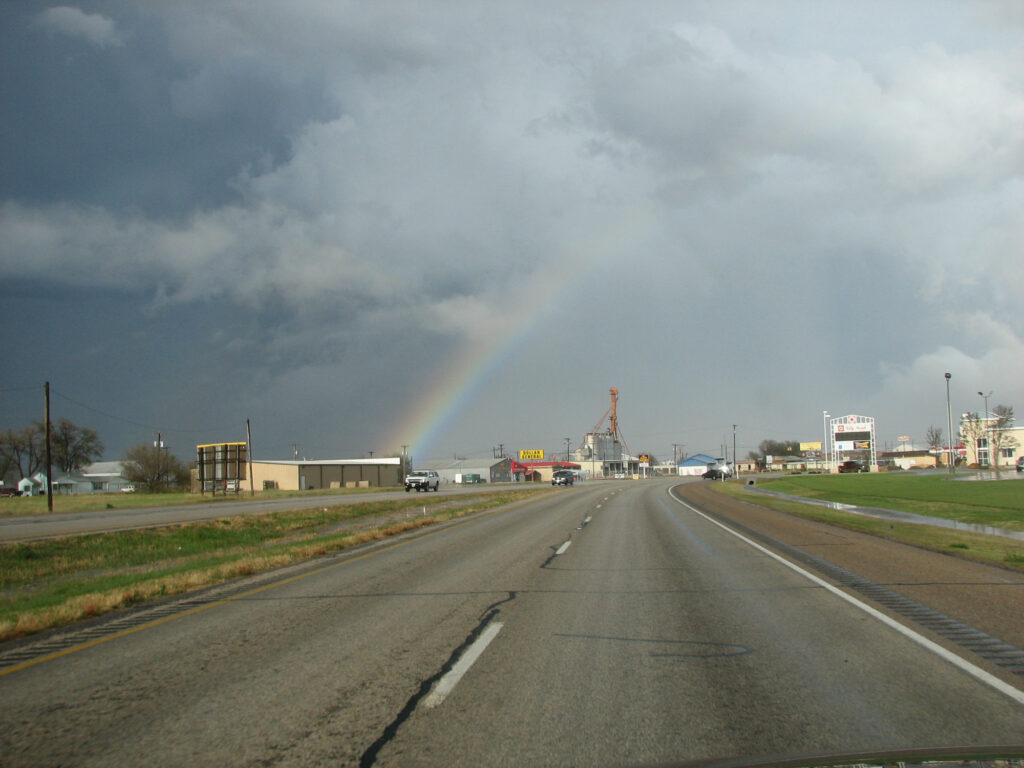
[(251, 561)]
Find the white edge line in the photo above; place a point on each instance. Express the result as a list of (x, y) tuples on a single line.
[(447, 683), (561, 549), (957, 661)]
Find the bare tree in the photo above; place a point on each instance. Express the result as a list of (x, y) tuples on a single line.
[(778, 448), (24, 449), (74, 447), (154, 468), (934, 437), (989, 435), (999, 436)]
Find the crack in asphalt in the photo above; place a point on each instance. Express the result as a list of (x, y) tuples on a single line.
[(369, 757), (554, 550)]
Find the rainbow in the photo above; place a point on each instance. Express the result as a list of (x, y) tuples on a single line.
[(427, 418), (465, 376)]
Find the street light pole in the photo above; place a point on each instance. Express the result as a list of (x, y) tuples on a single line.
[(949, 426), (824, 416), (986, 397)]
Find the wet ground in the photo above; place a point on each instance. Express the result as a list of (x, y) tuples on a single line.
[(903, 517)]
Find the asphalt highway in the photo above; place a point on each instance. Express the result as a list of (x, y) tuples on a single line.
[(605, 624), (31, 527)]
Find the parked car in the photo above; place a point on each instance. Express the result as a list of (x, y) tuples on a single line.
[(563, 477), (715, 474), (10, 491), (1020, 464), (851, 466), (129, 488)]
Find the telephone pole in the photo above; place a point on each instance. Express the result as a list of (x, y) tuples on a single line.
[(248, 454), (49, 459)]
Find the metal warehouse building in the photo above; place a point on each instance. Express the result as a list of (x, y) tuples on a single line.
[(335, 473), (489, 470)]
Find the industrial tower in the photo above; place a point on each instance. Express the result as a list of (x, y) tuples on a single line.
[(605, 446)]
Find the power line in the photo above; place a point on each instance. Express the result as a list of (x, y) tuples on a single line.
[(32, 388), (122, 419)]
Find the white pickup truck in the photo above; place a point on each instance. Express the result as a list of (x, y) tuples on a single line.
[(423, 480)]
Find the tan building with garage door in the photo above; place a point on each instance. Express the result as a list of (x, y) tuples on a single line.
[(327, 474)]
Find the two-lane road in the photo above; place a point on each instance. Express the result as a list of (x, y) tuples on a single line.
[(30, 527), (605, 624)]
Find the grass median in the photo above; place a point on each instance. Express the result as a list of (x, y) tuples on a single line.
[(50, 583), (997, 504), (88, 502)]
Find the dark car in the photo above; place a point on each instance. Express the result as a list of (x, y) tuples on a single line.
[(7, 491), (1020, 464), (714, 474), (563, 477), (851, 466)]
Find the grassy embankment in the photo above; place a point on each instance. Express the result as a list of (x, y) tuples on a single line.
[(36, 505), (51, 583), (997, 504)]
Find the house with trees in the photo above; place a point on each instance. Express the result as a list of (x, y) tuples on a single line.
[(992, 440)]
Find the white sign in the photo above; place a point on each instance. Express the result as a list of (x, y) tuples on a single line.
[(844, 445)]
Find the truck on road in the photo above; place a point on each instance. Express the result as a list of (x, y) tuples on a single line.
[(422, 480)]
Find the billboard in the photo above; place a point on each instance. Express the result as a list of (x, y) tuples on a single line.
[(805, 447), (222, 466), (852, 433), (853, 445), (531, 455)]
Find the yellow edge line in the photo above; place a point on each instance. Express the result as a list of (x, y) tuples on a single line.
[(249, 593)]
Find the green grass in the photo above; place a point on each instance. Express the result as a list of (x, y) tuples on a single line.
[(986, 503), (53, 582), (999, 504), (36, 505)]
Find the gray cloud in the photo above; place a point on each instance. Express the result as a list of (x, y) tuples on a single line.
[(94, 28), (697, 203)]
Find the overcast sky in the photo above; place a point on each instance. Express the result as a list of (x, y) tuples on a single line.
[(455, 225)]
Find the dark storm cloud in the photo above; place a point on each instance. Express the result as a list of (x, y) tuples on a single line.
[(311, 208), (111, 116)]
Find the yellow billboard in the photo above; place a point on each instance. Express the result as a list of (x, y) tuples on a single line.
[(533, 455), (810, 446)]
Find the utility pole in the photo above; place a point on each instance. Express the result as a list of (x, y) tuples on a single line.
[(735, 466), (949, 426), (248, 454), (49, 460)]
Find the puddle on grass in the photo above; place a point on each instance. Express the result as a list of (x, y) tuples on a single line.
[(897, 516)]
